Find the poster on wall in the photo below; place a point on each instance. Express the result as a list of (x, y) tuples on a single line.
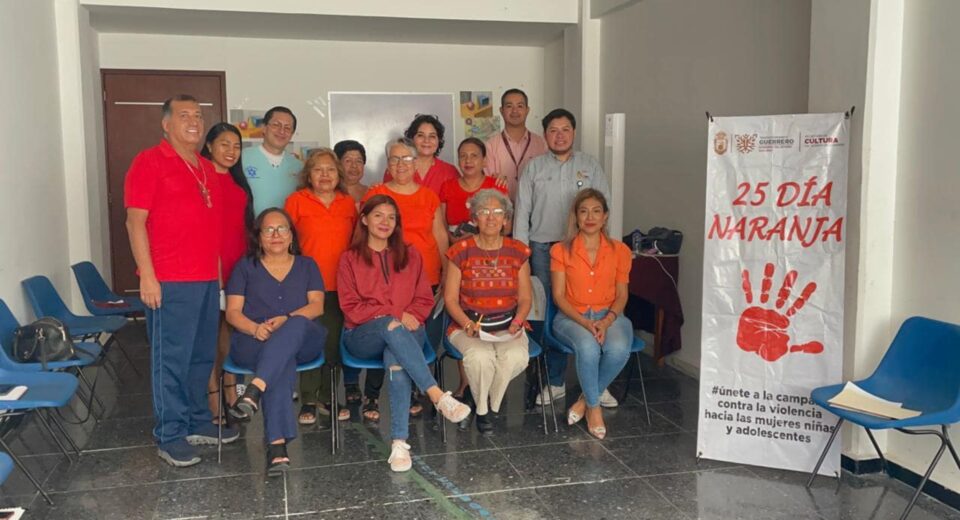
[(476, 114), (250, 122), (775, 236)]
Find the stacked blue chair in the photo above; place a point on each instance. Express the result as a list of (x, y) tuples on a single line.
[(635, 349), (535, 352), (45, 391), (230, 366), (349, 360), (920, 370), (9, 324), (99, 299), (47, 302)]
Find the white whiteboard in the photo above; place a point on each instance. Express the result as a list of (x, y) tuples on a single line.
[(373, 118)]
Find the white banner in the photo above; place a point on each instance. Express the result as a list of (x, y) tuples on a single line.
[(772, 288)]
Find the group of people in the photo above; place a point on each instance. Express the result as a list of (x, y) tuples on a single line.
[(306, 253)]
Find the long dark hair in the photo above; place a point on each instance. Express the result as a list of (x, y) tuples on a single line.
[(236, 171), (254, 250), (395, 244)]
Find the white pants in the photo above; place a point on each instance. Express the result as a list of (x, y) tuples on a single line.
[(491, 366)]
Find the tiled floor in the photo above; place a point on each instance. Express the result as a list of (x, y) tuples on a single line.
[(638, 472)]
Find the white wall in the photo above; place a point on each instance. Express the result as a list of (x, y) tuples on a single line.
[(262, 73), (33, 236), (926, 277), (664, 63)]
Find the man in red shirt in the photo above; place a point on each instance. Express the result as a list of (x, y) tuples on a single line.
[(172, 199)]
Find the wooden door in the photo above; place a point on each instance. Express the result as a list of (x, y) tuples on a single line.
[(132, 101)]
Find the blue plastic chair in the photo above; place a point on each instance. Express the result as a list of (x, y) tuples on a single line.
[(449, 350), (230, 366), (349, 360), (9, 324), (46, 301), (45, 390), (636, 348), (920, 370), (95, 290), (6, 467)]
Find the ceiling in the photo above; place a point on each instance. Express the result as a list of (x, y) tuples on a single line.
[(142, 20)]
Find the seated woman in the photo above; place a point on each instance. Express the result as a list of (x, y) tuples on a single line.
[(385, 297), (590, 273), (488, 281), (273, 296)]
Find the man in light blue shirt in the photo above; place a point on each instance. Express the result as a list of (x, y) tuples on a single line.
[(272, 171), (547, 188)]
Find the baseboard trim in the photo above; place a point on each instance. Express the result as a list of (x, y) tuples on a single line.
[(894, 470)]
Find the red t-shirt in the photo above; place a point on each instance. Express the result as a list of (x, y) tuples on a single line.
[(417, 212), (233, 239), (455, 197), (184, 233), (438, 174)]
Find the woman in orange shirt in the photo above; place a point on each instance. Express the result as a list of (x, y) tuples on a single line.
[(423, 223), (590, 273), (324, 215)]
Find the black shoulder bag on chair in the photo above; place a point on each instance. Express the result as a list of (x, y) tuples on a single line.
[(43, 341)]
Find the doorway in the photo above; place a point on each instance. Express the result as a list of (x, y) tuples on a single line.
[(132, 100)]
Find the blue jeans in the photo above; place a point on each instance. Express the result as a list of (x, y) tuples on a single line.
[(540, 267), (597, 365), (397, 347), (183, 341)]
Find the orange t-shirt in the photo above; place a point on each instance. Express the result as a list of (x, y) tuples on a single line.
[(592, 286), (417, 212), (324, 232)]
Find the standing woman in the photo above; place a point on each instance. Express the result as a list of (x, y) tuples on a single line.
[(273, 298), (455, 193), (386, 298), (353, 158), (590, 273), (324, 216), (223, 147), (426, 134)]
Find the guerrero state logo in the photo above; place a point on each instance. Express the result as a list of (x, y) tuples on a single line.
[(721, 143)]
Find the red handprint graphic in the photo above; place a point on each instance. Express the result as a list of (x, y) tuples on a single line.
[(764, 331)]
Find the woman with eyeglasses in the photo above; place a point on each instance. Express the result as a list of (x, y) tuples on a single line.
[(455, 193), (488, 291), (426, 134), (590, 273), (324, 215), (222, 146), (386, 297), (273, 298)]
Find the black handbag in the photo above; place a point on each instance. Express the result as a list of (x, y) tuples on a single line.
[(492, 322), (43, 341), (657, 241)]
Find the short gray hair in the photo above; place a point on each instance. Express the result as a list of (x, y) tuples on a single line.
[(483, 196), (407, 143), (167, 108)]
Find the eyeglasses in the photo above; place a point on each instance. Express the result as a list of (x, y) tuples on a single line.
[(275, 231), (488, 212), (406, 159), (280, 127)]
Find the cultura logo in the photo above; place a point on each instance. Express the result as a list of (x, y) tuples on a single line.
[(746, 142), (720, 143)]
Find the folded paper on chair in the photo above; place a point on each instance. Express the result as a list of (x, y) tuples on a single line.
[(856, 399)]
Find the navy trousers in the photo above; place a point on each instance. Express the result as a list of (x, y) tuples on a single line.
[(183, 340), (297, 341)]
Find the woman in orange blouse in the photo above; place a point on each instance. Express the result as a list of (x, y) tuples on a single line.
[(590, 273), (324, 215), (423, 223)]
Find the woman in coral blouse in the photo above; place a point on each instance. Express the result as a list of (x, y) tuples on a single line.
[(324, 215), (590, 273)]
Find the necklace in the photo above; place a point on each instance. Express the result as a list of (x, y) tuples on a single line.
[(490, 260), (204, 192)]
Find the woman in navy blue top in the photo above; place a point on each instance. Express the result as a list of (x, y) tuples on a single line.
[(273, 297)]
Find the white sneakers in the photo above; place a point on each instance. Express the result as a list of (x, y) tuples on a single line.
[(453, 410), (606, 399), (400, 457)]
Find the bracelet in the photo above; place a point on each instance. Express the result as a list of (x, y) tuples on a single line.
[(517, 322), (470, 325), (615, 315)]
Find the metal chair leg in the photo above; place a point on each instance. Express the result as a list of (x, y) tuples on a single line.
[(56, 422), (93, 396), (438, 370), (46, 426), (553, 406), (334, 410), (125, 355), (16, 460), (543, 409), (883, 460), (220, 418), (823, 455), (923, 481), (643, 390)]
